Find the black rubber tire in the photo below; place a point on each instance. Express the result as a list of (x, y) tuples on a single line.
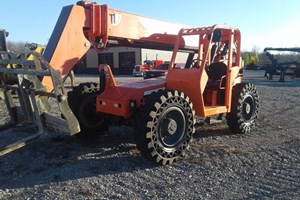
[(91, 122), (165, 126), (82, 101), (244, 108), (82, 88)]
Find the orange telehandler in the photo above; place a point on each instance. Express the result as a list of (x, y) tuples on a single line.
[(162, 110)]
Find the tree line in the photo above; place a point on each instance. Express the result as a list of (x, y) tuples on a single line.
[(16, 47)]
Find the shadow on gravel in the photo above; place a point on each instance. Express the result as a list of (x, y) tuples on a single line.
[(63, 158), (214, 130), (211, 146), (56, 158)]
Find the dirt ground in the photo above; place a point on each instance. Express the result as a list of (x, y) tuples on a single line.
[(264, 164)]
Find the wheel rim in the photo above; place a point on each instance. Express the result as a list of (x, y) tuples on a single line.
[(248, 108), (172, 128)]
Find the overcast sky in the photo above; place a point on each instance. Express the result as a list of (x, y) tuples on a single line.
[(262, 22)]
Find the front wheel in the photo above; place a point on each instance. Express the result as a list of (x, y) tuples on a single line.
[(244, 108), (82, 101), (165, 126), (91, 122)]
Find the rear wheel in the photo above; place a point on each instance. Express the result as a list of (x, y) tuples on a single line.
[(165, 126), (244, 108)]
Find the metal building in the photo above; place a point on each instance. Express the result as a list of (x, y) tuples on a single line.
[(121, 59)]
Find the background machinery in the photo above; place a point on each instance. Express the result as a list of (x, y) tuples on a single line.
[(139, 70), (251, 60), (281, 67), (162, 110)]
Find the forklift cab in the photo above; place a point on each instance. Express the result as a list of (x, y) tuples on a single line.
[(212, 68)]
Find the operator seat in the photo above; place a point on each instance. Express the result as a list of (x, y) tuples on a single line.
[(216, 75)]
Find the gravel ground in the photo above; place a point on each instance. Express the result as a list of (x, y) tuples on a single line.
[(264, 164)]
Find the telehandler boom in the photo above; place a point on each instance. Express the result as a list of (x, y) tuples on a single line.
[(162, 110)]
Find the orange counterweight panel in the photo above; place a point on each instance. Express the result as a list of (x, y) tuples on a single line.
[(119, 105), (114, 107), (121, 100)]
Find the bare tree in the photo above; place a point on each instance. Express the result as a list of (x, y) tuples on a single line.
[(16, 47)]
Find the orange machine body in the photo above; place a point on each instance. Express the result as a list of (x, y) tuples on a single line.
[(122, 100), (90, 25), (195, 82)]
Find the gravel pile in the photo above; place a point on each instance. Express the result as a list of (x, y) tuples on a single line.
[(264, 164)]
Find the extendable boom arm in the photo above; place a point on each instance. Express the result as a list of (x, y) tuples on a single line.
[(89, 25)]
